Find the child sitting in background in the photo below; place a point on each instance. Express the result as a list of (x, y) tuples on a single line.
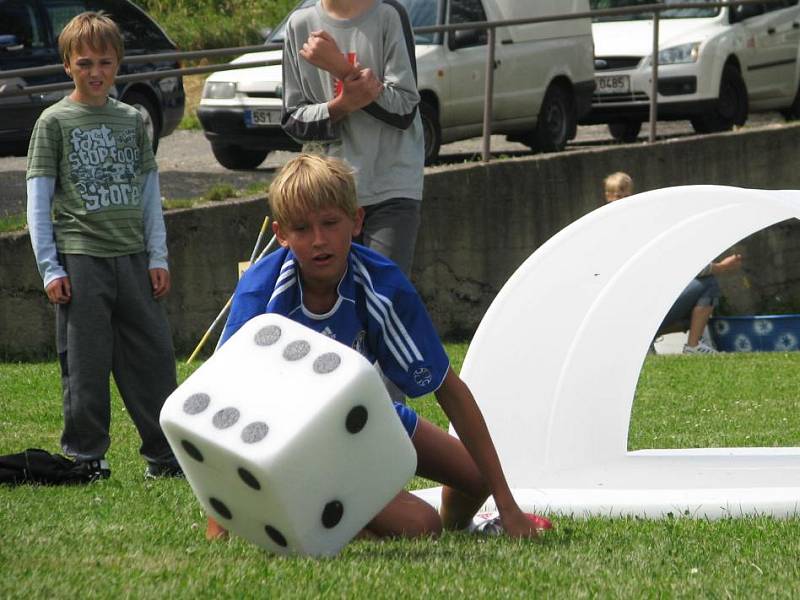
[(697, 301)]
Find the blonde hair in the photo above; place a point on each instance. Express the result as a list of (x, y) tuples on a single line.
[(618, 185), (310, 183), (95, 29)]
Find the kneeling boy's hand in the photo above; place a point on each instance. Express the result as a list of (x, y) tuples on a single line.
[(519, 525), (160, 282), (215, 531)]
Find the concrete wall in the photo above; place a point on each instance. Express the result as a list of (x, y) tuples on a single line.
[(479, 223)]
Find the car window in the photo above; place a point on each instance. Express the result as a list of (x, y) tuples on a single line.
[(780, 5), (677, 13), (423, 13), (139, 32), (689, 13), (19, 28), (59, 13), (469, 11), (604, 4)]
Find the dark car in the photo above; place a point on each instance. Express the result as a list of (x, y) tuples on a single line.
[(29, 38)]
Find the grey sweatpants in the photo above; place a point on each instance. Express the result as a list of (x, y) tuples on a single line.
[(390, 228), (113, 325)]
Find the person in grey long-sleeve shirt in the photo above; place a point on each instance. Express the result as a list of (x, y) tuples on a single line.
[(349, 73)]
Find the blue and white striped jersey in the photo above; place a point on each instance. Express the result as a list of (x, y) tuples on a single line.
[(378, 313)]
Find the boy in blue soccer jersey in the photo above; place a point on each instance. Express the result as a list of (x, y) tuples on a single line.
[(321, 279)]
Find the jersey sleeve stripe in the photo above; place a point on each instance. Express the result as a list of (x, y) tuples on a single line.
[(395, 323), (388, 339)]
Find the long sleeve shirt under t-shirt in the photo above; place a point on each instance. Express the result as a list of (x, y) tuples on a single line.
[(383, 142)]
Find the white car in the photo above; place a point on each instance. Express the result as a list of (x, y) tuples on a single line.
[(543, 82), (715, 65)]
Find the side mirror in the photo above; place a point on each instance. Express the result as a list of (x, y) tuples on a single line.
[(10, 43), (464, 38)]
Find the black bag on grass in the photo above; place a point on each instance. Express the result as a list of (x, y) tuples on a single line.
[(39, 466)]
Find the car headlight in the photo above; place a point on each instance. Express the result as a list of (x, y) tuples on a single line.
[(685, 53), (219, 90)]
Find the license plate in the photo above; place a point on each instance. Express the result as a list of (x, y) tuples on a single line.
[(612, 84), (262, 117)]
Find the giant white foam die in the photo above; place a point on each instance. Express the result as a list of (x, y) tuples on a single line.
[(288, 438)]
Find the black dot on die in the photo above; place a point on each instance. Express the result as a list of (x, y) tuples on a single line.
[(275, 535), (225, 418), (192, 450), (296, 350), (255, 432), (196, 403), (249, 478), (356, 419), (268, 335), (222, 510), (332, 514), (327, 362)]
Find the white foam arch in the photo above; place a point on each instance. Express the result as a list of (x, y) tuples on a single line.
[(555, 361)]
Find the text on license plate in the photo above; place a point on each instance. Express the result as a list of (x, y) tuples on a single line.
[(262, 116), (612, 84)]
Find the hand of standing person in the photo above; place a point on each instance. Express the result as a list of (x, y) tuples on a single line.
[(59, 291), (160, 282), (321, 51), (358, 91)]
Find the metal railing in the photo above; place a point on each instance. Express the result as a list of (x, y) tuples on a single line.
[(489, 26)]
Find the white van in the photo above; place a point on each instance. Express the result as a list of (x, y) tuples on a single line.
[(716, 65), (543, 81)]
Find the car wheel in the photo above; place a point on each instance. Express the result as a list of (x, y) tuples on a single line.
[(792, 112), (557, 118), (150, 115), (731, 108), (625, 131), (431, 131), (238, 159)]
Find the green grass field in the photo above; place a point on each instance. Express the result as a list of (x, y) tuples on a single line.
[(127, 537)]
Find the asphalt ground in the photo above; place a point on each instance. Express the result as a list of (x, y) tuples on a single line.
[(188, 168)]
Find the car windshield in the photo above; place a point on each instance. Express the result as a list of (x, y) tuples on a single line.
[(677, 13), (421, 12)]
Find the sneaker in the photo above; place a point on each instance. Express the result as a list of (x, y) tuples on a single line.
[(491, 524), (701, 348), (95, 469), (159, 470)]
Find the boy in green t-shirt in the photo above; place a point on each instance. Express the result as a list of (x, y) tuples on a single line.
[(95, 221)]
